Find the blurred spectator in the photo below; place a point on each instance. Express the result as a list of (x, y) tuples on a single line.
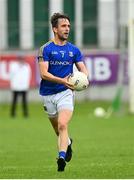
[(20, 76)]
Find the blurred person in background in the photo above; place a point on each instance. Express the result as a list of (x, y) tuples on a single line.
[(56, 59), (20, 76)]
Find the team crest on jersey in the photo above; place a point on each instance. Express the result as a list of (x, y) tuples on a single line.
[(71, 54)]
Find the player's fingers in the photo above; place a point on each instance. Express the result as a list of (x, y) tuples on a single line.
[(71, 86), (67, 77)]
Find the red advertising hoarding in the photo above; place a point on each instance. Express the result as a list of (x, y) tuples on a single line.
[(5, 62)]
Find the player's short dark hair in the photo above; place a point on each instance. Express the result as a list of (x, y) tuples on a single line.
[(56, 16)]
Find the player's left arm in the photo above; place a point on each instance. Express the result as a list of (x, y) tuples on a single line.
[(81, 67)]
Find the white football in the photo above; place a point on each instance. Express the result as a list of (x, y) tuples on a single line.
[(79, 80), (99, 112)]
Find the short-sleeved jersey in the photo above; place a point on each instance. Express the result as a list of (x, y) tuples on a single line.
[(61, 60)]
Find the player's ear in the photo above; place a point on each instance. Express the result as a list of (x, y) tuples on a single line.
[(54, 29)]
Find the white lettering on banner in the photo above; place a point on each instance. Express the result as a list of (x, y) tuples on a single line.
[(102, 69), (4, 74), (98, 68), (5, 67)]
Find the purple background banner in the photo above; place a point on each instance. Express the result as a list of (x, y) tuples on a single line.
[(102, 68)]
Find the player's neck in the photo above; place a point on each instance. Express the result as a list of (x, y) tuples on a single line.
[(59, 42)]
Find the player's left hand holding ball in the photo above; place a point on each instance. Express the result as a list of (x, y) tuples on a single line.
[(79, 80)]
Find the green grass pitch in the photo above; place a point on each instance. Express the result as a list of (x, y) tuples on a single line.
[(102, 148)]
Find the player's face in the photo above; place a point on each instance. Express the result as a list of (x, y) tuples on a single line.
[(63, 29)]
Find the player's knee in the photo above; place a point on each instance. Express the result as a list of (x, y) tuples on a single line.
[(62, 126)]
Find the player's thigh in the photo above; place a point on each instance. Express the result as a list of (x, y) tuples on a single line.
[(64, 116), (65, 106), (65, 100)]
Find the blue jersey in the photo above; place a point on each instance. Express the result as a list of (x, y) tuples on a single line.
[(61, 60)]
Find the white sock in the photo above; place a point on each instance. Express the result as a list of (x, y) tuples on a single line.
[(69, 141)]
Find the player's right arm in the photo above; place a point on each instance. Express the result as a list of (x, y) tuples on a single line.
[(43, 68)]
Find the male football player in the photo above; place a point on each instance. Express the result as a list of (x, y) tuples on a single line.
[(56, 59)]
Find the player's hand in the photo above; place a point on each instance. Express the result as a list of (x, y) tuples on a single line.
[(67, 83)]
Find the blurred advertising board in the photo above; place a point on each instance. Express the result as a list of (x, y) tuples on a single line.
[(103, 68), (5, 63)]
